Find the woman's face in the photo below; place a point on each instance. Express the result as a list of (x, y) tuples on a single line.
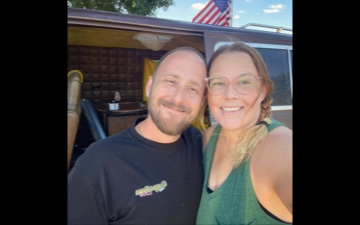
[(234, 110)]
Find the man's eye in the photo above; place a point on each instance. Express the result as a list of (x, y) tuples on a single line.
[(170, 82), (194, 90)]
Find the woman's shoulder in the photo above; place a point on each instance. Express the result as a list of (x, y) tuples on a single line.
[(280, 134), (272, 168), (276, 148)]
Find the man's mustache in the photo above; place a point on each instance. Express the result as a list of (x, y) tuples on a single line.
[(170, 104)]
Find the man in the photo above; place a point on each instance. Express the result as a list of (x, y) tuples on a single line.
[(150, 173)]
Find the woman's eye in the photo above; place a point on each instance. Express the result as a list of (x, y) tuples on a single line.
[(217, 84), (243, 82)]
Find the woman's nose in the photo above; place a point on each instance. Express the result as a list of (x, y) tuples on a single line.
[(230, 92)]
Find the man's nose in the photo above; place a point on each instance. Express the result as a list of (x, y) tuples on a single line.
[(179, 93)]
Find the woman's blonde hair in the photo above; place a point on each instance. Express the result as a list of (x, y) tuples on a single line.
[(244, 148)]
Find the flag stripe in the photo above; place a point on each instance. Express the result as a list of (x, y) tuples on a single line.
[(213, 16), (216, 12), (209, 18), (205, 12), (224, 18)]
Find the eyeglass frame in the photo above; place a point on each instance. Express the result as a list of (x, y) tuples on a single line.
[(230, 82)]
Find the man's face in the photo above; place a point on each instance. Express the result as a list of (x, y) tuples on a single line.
[(176, 93)]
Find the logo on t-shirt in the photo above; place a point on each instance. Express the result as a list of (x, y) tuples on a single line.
[(149, 189)]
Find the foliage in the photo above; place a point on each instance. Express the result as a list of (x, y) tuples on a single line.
[(138, 7)]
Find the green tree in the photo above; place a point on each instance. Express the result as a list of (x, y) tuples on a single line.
[(138, 7)]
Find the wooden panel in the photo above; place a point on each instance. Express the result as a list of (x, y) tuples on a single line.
[(119, 38), (120, 123), (110, 69)]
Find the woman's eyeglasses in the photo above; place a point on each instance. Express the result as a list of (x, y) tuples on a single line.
[(243, 84)]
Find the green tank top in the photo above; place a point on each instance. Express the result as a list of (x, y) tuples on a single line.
[(234, 202)]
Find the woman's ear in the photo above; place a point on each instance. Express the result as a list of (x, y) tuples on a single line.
[(263, 92)]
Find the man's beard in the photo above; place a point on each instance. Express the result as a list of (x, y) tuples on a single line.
[(168, 126)]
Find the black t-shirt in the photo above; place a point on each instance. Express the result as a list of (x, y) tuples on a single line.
[(127, 179)]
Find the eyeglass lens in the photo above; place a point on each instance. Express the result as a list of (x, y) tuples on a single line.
[(244, 84)]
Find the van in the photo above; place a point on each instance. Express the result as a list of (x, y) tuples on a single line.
[(110, 51)]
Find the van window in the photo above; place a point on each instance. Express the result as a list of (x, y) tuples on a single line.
[(277, 61)]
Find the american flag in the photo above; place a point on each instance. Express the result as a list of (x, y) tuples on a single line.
[(216, 12)]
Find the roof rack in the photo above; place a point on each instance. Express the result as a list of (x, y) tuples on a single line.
[(278, 29)]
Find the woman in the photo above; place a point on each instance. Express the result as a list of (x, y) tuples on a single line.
[(248, 154)]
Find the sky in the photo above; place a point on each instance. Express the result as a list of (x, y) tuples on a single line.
[(269, 12)]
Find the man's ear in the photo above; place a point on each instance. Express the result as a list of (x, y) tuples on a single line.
[(148, 86)]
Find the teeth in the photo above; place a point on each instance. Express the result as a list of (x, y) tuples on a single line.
[(231, 109)]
